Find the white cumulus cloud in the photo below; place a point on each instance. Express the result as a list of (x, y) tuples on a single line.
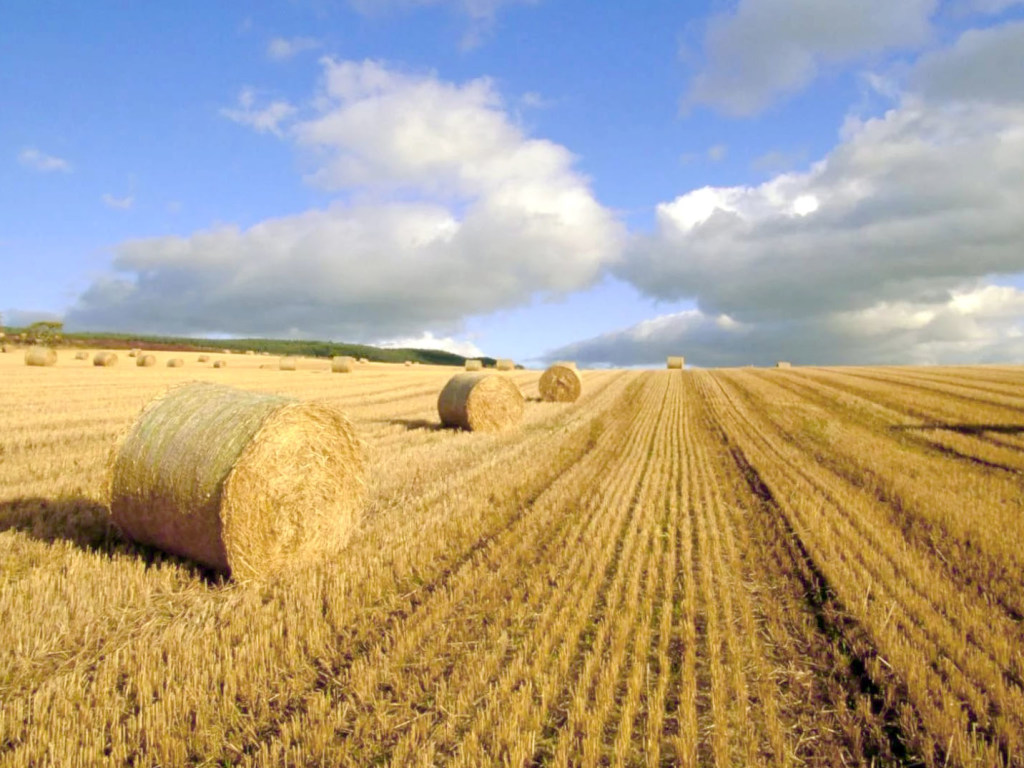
[(428, 340), (264, 119), (30, 157)]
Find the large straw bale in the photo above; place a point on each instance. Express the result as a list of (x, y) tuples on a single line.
[(220, 363), (104, 359), (474, 365), (41, 356), (481, 402), (134, 352), (506, 365), (243, 482), (287, 364), (676, 362), (145, 361), (343, 364), (561, 384), (203, 359), (783, 364), (81, 355), (175, 362)]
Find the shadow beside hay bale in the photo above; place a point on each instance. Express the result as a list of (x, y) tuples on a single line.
[(415, 424)]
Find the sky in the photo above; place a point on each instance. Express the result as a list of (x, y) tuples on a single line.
[(735, 181)]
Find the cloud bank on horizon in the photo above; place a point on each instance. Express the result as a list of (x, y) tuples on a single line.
[(900, 244)]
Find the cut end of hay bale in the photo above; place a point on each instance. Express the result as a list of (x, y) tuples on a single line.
[(480, 402), (43, 356), (242, 482), (286, 364), (104, 359), (175, 362), (561, 384), (474, 365), (676, 361), (220, 364), (343, 364), (145, 361), (783, 364), (506, 365)]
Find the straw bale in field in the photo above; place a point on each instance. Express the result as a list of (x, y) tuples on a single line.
[(220, 363), (363, 360), (203, 359), (41, 356), (286, 364), (226, 351), (676, 362), (4, 349), (243, 482), (408, 362), (134, 352), (175, 362), (82, 355), (506, 365), (343, 364), (783, 364), (250, 352), (145, 361), (104, 359), (474, 365), (481, 402), (561, 383)]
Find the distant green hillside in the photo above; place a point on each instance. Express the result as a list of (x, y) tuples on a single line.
[(325, 349)]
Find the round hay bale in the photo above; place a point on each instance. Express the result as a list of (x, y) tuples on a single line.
[(676, 362), (4, 349), (243, 482), (286, 364), (561, 383), (83, 355), (220, 363), (474, 365), (250, 352), (363, 361), (134, 352), (343, 364), (145, 361), (481, 402), (175, 362), (506, 365), (783, 364), (41, 356), (203, 359), (408, 362), (226, 351), (104, 359)]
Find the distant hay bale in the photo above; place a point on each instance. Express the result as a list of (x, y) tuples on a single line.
[(676, 362), (242, 482), (41, 356), (474, 365), (286, 364), (343, 364), (134, 352), (175, 362), (83, 355), (561, 383), (363, 361), (203, 359), (783, 364), (145, 361), (220, 363), (408, 362), (4, 349), (250, 352), (481, 402), (506, 365), (104, 359), (226, 351)]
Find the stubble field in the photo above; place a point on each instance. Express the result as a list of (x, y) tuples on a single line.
[(732, 567)]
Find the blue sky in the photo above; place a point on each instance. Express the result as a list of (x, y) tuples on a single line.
[(734, 181)]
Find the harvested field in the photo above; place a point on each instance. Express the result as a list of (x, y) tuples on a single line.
[(735, 567)]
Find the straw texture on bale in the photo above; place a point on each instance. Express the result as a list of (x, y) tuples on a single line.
[(783, 364), (506, 365), (343, 364), (81, 355), (481, 402), (474, 365), (287, 364), (203, 359), (245, 483), (175, 362), (41, 356), (561, 383), (220, 364), (104, 359), (676, 362), (145, 361)]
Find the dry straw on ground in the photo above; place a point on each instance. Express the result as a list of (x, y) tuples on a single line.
[(41, 356), (220, 364), (83, 355), (481, 402), (286, 364), (474, 365), (343, 364), (203, 359), (104, 359), (676, 362), (243, 482), (561, 383), (783, 364), (175, 362), (506, 365), (145, 361)]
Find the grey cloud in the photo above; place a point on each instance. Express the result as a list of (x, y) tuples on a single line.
[(983, 65)]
